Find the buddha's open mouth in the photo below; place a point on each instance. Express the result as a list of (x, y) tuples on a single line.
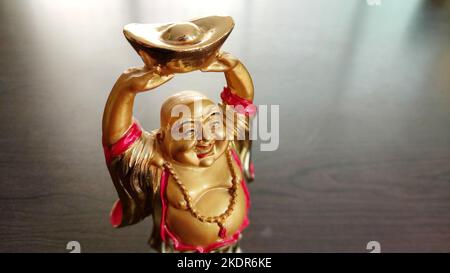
[(204, 150)]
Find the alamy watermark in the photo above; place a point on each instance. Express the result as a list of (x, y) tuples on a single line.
[(374, 247), (73, 246), (227, 123)]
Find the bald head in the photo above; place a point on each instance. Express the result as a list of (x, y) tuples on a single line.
[(181, 98)]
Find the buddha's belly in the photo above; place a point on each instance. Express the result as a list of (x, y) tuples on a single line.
[(213, 202)]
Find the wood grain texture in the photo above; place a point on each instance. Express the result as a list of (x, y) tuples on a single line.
[(364, 145)]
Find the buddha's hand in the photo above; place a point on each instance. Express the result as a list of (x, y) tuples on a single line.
[(140, 79), (222, 62)]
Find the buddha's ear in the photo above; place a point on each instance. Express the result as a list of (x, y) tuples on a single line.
[(160, 135)]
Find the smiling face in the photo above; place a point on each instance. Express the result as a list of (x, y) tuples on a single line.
[(192, 129)]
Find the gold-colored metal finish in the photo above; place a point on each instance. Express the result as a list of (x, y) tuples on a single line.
[(220, 219), (181, 47), (182, 34), (203, 193)]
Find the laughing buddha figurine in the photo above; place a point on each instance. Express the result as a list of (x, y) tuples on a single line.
[(191, 173)]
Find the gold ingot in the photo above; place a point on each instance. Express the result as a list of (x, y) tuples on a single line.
[(180, 47)]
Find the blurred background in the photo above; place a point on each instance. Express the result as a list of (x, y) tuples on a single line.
[(364, 95)]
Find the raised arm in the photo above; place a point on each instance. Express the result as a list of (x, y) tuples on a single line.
[(237, 76), (240, 82), (128, 150), (118, 113)]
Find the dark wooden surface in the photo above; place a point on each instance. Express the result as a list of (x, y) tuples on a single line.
[(364, 95)]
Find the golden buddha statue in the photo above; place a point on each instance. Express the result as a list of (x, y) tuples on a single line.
[(191, 173)]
